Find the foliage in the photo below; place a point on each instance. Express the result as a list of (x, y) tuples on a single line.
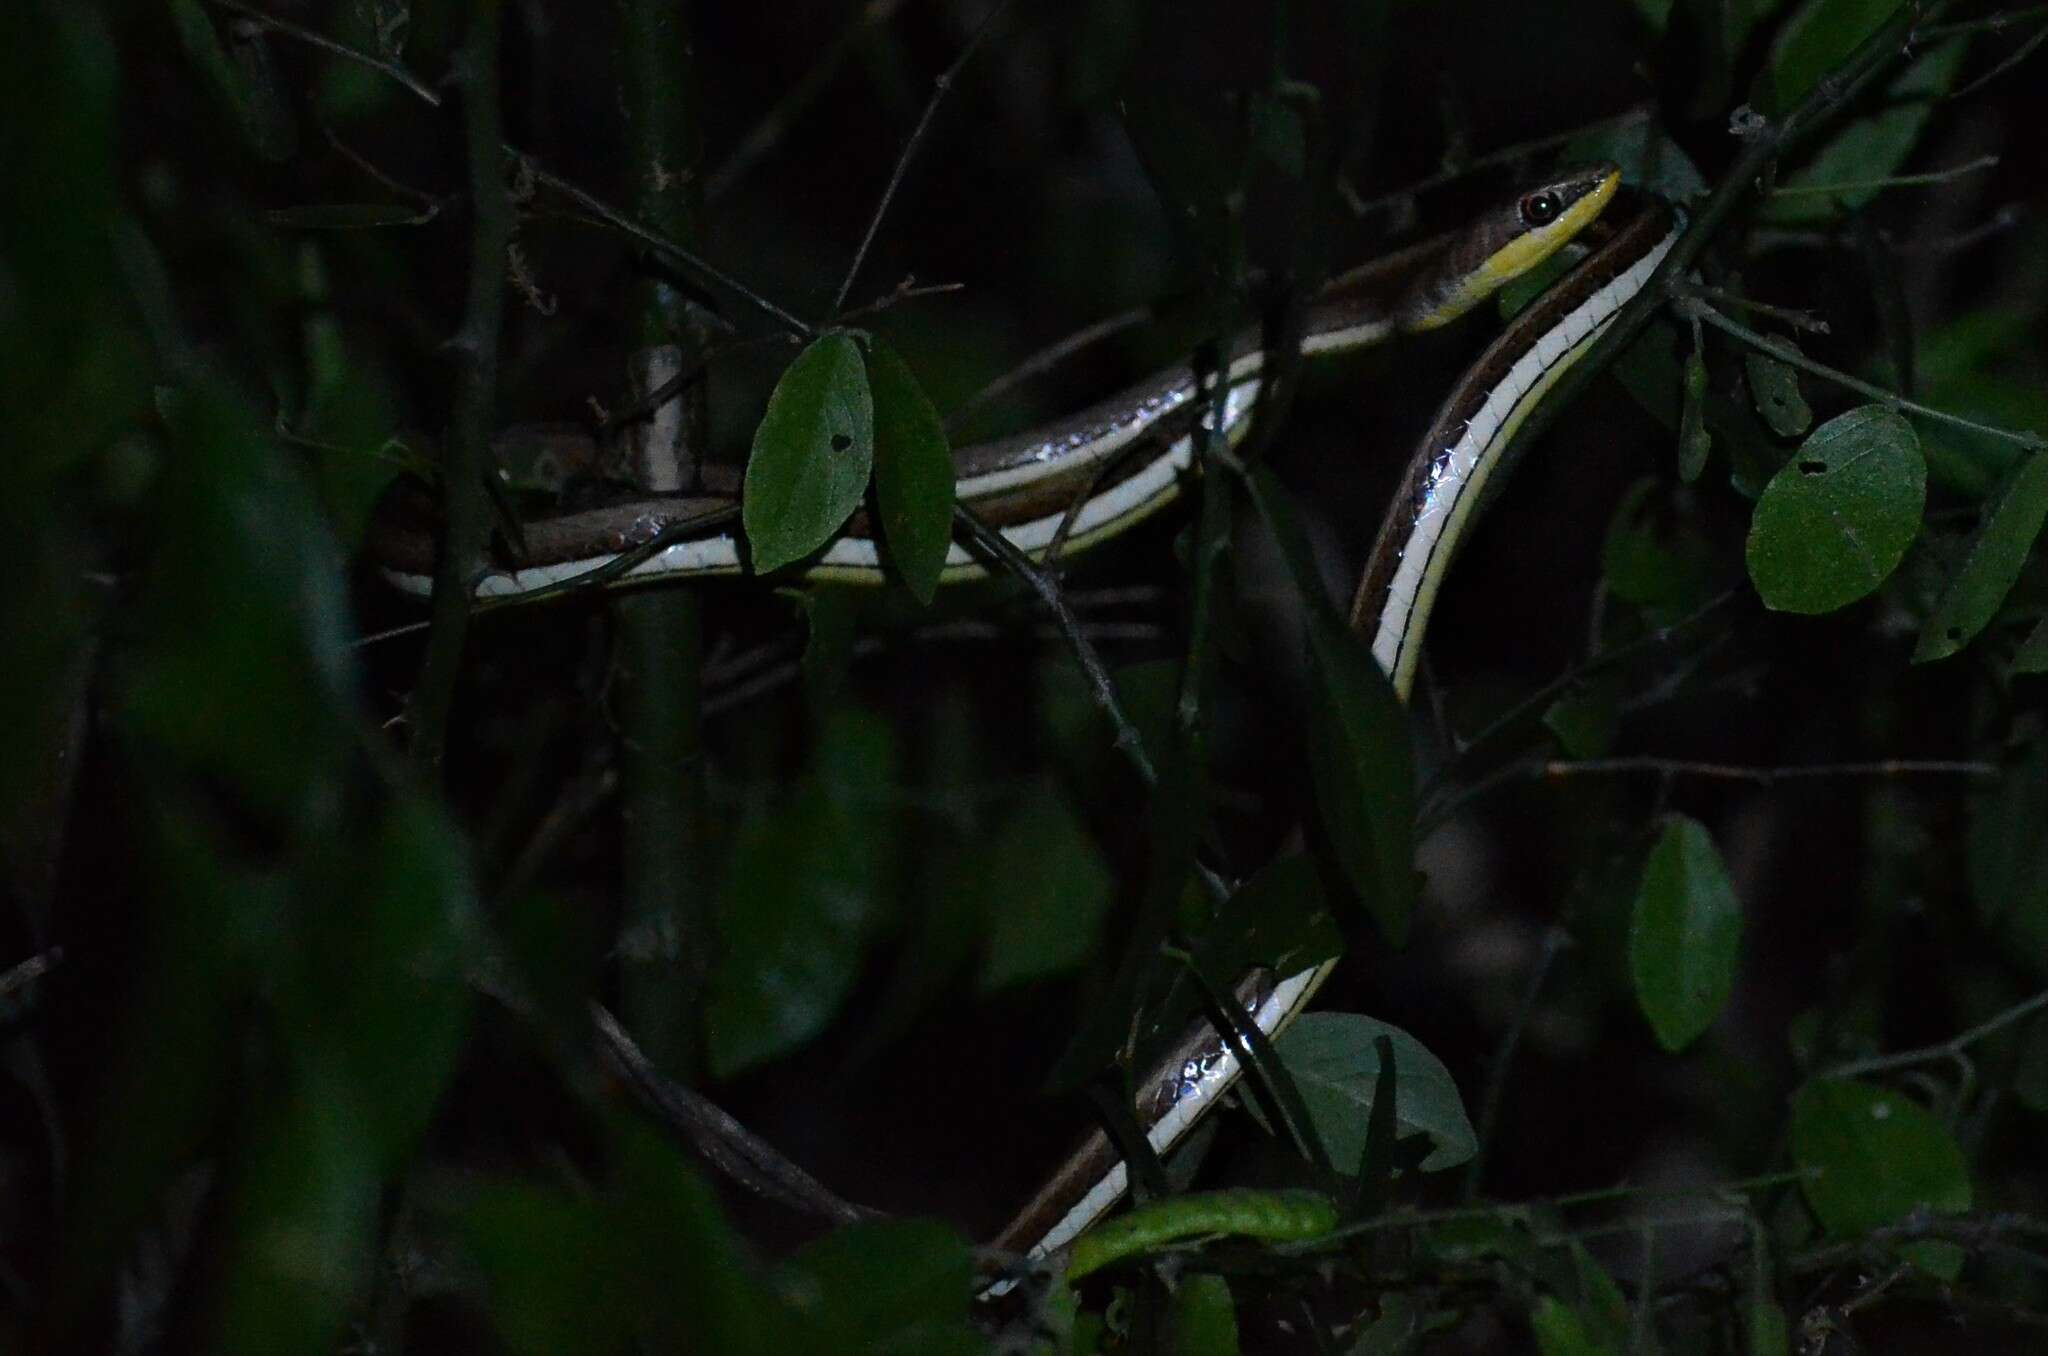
[(1693, 912)]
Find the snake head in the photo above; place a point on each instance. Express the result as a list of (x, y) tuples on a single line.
[(1510, 238)]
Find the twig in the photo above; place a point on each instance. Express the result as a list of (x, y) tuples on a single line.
[(1785, 315), (655, 240), (20, 976), (1989, 23), (1047, 588), (729, 1146), (467, 448), (1764, 776), (1506, 155), (1942, 176), (917, 134), (1049, 357), (1953, 242), (1951, 1049), (289, 29), (907, 290), (1969, 1231), (1763, 142), (1555, 940), (2014, 58), (758, 143), (1892, 400)]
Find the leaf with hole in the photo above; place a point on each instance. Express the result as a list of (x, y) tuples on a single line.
[(913, 472), (1997, 553), (812, 453), (1836, 520), (1334, 1062), (1774, 386), (1875, 1157), (1685, 934)]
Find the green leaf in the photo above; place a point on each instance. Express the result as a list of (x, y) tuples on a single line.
[(1694, 442), (1997, 553), (883, 1286), (812, 453), (1816, 40), (794, 917), (1685, 936), (828, 642), (1853, 163), (1560, 1333), (1653, 558), (1333, 1061), (245, 83), (2032, 656), (1203, 1320), (1770, 1334), (1395, 1331), (1875, 1157), (1359, 751), (1055, 889), (913, 472), (1587, 718), (1774, 386), (1277, 1215), (1837, 519)]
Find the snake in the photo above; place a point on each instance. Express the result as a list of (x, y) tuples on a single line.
[(1092, 475)]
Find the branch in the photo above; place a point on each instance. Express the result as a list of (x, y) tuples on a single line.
[(392, 69), (1951, 1049), (1047, 588), (917, 134), (729, 1146), (1942, 176), (1763, 776), (467, 449), (757, 144), (1791, 356)]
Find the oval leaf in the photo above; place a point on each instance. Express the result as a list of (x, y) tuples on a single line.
[(1334, 1063), (1837, 519), (1685, 935), (1774, 386), (913, 472), (1874, 1157), (1055, 889), (2033, 652), (1998, 551), (1203, 1320), (812, 454)]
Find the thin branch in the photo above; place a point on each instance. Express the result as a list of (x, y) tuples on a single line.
[(767, 134), (1941, 176), (1764, 776), (1804, 321), (1989, 23), (1049, 357), (1506, 155), (655, 240), (1970, 1231), (18, 977), (2019, 54), (907, 290), (940, 87), (1047, 588), (729, 1146), (1892, 400), (467, 449), (1952, 1049), (391, 69), (1555, 940)]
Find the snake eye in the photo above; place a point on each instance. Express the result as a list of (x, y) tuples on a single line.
[(1540, 209)]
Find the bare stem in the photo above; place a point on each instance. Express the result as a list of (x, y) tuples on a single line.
[(1786, 353), (940, 87), (467, 448), (1047, 588)]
